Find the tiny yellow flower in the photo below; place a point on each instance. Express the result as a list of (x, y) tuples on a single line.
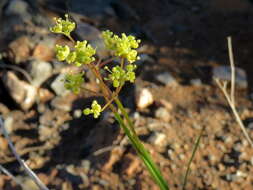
[(84, 53), (123, 46), (62, 52), (63, 26), (95, 109)]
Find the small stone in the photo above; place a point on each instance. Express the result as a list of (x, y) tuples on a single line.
[(19, 49), (221, 167), (4, 109), (43, 52), (40, 71), (158, 139), (45, 95), (195, 82), (155, 125), (87, 31), (85, 179), (77, 113), (144, 98), (166, 78), (133, 165), (228, 140), (251, 160), (3, 144), (58, 85), (35, 161), (163, 114), (29, 183), (63, 103), (250, 126), (85, 164), (17, 7), (131, 182), (237, 147), (224, 73), (241, 174), (181, 156), (147, 49), (166, 104), (41, 108), (103, 182), (67, 186), (231, 177), (45, 133), (93, 35), (8, 124), (23, 93), (136, 115), (170, 154)]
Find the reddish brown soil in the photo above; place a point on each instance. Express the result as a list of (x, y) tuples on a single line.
[(186, 38)]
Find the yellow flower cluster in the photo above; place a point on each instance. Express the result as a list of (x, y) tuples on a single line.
[(63, 26), (95, 109), (123, 46), (83, 53)]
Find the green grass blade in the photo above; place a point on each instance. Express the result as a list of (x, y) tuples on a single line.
[(196, 145)]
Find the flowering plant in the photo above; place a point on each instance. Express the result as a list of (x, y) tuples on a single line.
[(83, 54)]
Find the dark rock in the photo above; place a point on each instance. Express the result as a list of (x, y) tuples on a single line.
[(40, 71), (166, 78), (224, 73), (90, 8)]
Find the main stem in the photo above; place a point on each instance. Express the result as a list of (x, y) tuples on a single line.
[(140, 149), (130, 132)]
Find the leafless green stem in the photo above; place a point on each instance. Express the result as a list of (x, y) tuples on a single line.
[(196, 145)]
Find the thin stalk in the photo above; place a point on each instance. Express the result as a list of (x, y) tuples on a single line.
[(71, 39), (232, 65), (91, 91), (17, 181), (28, 171), (108, 102), (24, 72), (105, 90), (144, 152), (233, 108), (105, 62), (114, 95), (196, 145), (141, 151), (125, 114), (122, 63)]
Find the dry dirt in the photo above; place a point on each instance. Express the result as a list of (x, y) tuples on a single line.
[(186, 38)]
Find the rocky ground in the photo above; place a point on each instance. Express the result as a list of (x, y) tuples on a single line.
[(174, 97)]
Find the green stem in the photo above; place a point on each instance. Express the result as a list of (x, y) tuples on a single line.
[(141, 151), (122, 63), (125, 114), (196, 145)]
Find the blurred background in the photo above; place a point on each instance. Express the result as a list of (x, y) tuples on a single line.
[(184, 46)]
